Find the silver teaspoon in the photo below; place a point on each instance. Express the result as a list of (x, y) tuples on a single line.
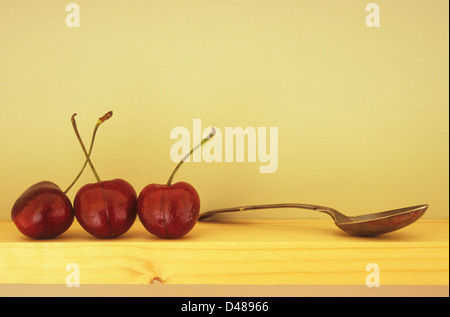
[(364, 225)]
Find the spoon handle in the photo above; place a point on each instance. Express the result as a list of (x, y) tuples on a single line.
[(330, 211)]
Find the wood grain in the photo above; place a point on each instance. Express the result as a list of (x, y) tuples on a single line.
[(244, 251)]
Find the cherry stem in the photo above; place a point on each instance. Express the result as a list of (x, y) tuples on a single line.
[(209, 137), (99, 122), (74, 124)]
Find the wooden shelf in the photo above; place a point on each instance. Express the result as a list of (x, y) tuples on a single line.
[(242, 251)]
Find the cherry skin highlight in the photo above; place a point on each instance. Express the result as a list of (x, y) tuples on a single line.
[(43, 211)]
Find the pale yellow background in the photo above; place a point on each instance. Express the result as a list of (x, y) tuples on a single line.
[(362, 112)]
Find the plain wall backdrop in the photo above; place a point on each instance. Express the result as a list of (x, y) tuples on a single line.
[(362, 113)]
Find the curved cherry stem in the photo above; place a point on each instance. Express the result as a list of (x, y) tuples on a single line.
[(102, 119), (209, 137), (74, 124)]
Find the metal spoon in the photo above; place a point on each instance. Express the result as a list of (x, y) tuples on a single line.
[(364, 225)]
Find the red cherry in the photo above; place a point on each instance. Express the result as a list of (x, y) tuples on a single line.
[(170, 211), (106, 209), (43, 211)]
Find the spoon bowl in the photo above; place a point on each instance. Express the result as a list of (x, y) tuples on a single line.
[(364, 225)]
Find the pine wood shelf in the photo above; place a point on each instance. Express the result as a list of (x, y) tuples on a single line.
[(243, 251)]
